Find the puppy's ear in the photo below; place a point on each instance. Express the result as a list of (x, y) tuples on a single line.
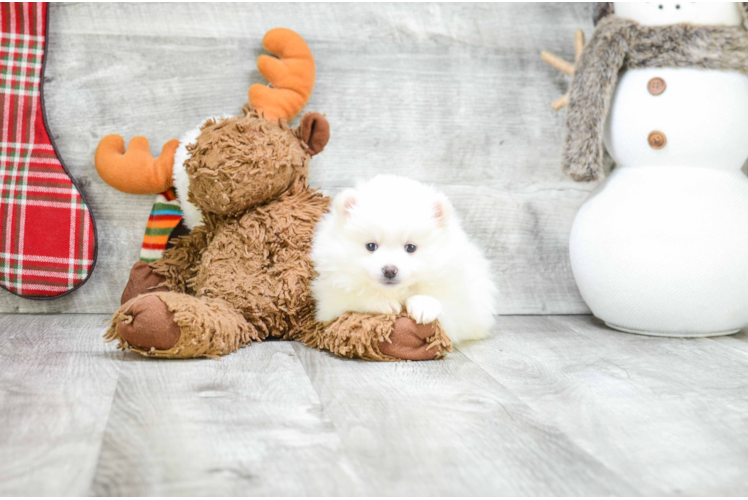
[(344, 202), (442, 210)]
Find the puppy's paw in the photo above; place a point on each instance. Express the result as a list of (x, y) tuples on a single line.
[(389, 307), (424, 309)]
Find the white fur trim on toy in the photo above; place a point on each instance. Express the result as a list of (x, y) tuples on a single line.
[(192, 215)]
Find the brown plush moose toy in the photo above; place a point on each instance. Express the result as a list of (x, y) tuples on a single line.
[(243, 271)]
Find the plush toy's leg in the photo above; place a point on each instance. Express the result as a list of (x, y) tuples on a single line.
[(378, 337), (142, 280), (176, 325)]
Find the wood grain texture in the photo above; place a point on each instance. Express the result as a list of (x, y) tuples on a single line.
[(250, 424), (451, 430), (57, 384), (550, 405), (451, 94), (670, 414)]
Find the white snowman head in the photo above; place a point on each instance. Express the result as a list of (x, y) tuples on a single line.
[(665, 13)]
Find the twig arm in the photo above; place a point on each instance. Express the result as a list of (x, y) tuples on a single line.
[(564, 66), (561, 102), (578, 44), (558, 63)]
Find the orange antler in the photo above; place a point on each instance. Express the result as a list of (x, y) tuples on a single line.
[(291, 76), (135, 171)]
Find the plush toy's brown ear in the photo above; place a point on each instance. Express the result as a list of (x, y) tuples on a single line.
[(314, 131)]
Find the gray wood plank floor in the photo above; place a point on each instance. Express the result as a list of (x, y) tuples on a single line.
[(550, 405)]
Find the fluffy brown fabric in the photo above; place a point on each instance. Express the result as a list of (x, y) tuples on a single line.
[(240, 162), (259, 263), (209, 327), (143, 279), (179, 262), (245, 273), (352, 335), (358, 335), (621, 44)]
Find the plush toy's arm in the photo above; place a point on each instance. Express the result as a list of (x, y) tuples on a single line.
[(179, 262)]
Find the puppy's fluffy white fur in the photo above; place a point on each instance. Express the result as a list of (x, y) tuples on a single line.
[(394, 222)]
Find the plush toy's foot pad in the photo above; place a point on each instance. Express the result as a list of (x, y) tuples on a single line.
[(176, 325), (149, 324), (142, 280), (412, 341)]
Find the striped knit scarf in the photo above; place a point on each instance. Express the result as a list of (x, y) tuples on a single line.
[(166, 215)]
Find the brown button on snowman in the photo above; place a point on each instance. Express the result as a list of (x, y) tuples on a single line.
[(657, 140), (656, 86), (661, 246)]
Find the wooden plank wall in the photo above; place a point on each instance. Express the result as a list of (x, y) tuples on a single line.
[(451, 94)]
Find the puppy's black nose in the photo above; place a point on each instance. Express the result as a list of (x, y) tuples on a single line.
[(389, 272)]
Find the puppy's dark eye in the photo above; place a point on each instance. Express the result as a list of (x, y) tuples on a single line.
[(660, 6), (410, 248), (371, 246)]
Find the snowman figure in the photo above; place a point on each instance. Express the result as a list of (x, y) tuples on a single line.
[(660, 247)]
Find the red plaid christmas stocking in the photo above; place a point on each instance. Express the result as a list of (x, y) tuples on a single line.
[(48, 239)]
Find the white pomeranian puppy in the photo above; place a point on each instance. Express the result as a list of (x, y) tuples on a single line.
[(393, 243)]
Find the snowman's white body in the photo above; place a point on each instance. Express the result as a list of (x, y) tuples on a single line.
[(661, 246)]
